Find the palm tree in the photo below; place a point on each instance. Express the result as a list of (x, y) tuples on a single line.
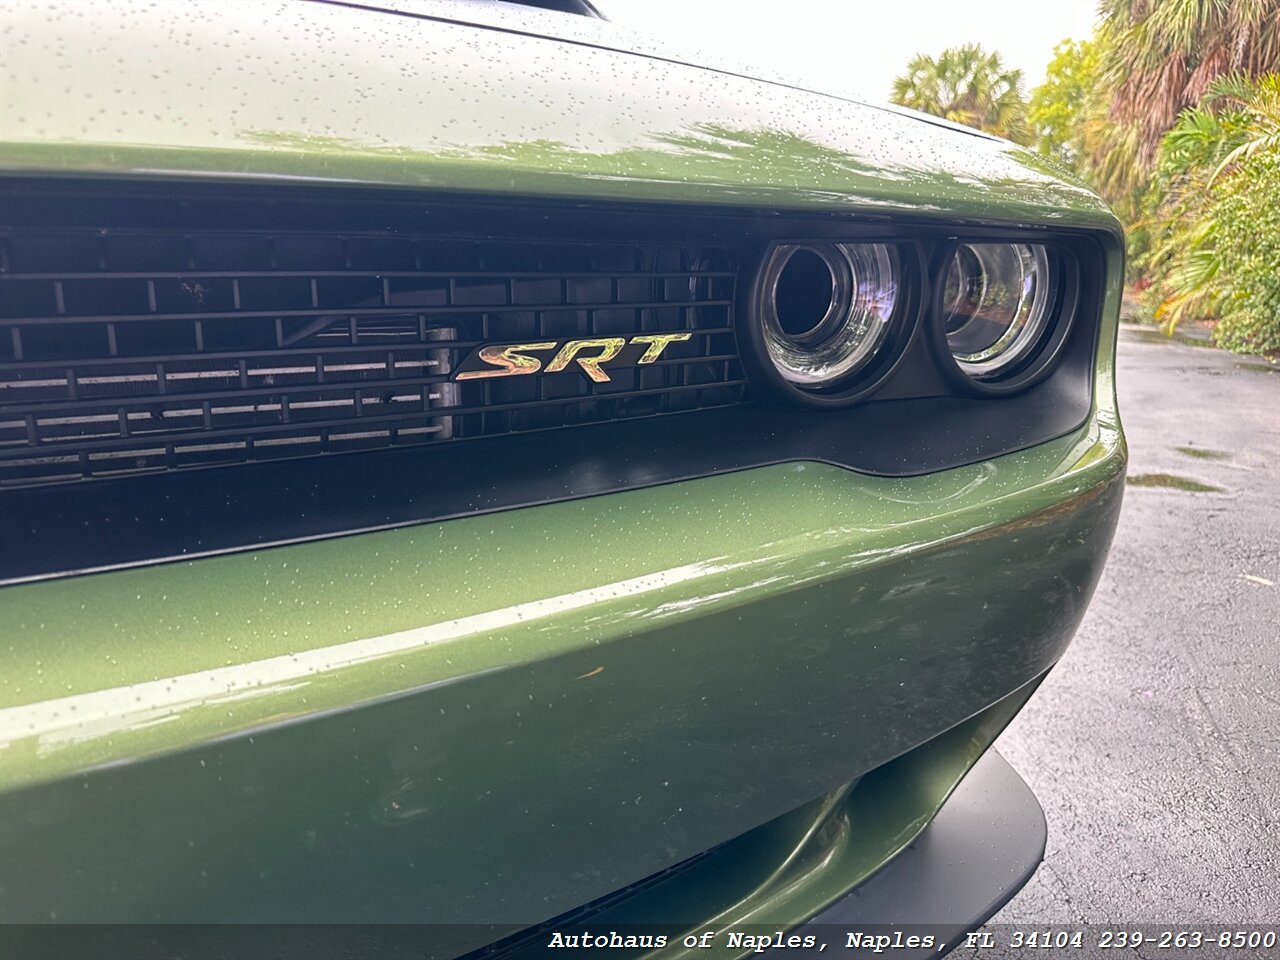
[(1158, 57), (1260, 99), (967, 85)]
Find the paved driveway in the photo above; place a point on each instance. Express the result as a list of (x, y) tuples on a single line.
[(1154, 746)]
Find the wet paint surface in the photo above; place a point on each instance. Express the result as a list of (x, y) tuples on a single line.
[(370, 97), (215, 646), (498, 718), (483, 691)]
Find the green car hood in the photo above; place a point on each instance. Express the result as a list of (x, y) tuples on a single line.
[(514, 16), (406, 98)]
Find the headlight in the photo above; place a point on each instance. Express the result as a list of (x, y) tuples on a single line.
[(827, 317), (997, 306)]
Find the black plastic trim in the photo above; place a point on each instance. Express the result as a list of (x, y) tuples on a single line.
[(577, 7)]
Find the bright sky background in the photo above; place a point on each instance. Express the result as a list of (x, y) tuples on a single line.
[(857, 47)]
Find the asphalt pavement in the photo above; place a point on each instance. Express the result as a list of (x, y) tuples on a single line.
[(1154, 746)]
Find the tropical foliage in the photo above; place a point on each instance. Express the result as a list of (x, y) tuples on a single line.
[(1058, 106), (967, 85), (1156, 58), (1212, 215), (1171, 110)]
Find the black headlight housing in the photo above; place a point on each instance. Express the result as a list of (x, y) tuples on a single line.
[(827, 323), (1000, 312), (986, 313)]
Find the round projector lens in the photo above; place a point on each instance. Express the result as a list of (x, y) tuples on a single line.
[(826, 309), (996, 305)]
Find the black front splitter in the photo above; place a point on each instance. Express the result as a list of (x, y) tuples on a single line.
[(979, 851)]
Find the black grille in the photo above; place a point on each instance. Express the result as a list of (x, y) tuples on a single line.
[(126, 350)]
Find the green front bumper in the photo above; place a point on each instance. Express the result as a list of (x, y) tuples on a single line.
[(497, 718)]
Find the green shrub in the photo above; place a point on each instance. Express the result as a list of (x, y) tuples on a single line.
[(1245, 216), (1209, 236)]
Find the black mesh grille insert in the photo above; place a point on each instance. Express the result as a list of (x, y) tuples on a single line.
[(126, 349)]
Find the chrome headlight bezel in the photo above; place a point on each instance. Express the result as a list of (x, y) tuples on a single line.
[(1026, 352), (857, 268)]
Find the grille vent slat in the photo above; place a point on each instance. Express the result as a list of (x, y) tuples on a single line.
[(126, 350)]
